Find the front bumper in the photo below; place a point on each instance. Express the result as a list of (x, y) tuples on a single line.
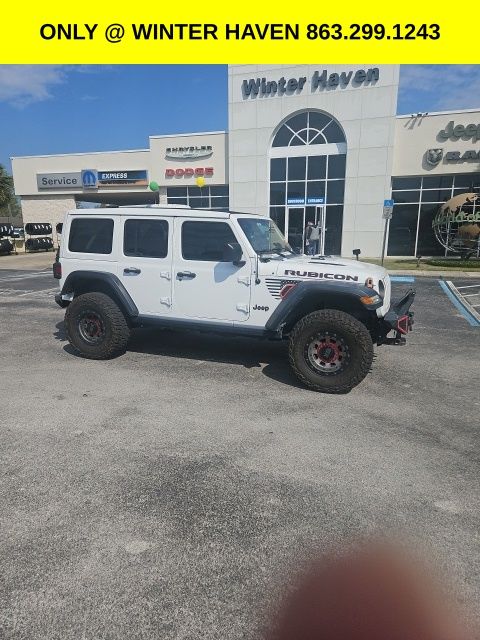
[(399, 319)]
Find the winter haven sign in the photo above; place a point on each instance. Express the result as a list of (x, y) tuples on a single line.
[(319, 81)]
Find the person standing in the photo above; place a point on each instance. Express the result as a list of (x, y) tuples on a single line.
[(307, 233), (314, 239)]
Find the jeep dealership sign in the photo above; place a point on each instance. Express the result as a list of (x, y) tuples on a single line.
[(455, 132)]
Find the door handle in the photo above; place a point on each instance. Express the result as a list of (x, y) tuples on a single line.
[(131, 271), (188, 275)]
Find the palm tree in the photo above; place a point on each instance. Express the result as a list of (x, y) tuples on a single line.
[(6, 187)]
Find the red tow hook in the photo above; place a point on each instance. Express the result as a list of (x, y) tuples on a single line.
[(403, 324)]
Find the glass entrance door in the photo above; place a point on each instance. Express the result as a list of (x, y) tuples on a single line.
[(297, 220), (295, 228)]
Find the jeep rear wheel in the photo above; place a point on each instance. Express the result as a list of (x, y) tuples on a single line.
[(96, 327), (330, 351)]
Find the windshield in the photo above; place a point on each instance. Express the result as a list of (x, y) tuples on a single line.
[(264, 235)]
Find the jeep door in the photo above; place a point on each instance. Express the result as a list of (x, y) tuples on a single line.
[(145, 262), (205, 284)]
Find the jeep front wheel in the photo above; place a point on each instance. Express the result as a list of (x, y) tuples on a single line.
[(96, 327), (330, 351)]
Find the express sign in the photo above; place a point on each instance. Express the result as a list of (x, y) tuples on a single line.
[(189, 173)]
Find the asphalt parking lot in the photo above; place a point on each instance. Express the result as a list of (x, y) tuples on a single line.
[(171, 492)]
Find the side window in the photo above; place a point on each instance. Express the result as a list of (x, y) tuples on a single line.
[(206, 241), (145, 238), (91, 235)]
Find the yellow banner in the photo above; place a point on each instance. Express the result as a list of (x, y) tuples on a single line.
[(217, 32)]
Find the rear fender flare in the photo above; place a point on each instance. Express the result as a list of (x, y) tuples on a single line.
[(79, 282)]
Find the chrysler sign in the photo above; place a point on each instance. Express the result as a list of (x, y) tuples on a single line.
[(188, 153)]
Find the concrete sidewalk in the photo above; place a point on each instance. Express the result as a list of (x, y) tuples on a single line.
[(452, 273)]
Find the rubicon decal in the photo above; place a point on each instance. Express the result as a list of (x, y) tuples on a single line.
[(321, 276)]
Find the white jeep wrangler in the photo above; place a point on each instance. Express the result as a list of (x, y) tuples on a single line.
[(222, 272)]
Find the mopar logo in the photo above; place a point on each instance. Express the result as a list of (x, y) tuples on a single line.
[(322, 276), (89, 179)]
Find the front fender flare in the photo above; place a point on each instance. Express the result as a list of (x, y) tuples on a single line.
[(312, 296)]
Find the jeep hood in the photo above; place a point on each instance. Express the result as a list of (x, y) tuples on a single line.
[(321, 266)]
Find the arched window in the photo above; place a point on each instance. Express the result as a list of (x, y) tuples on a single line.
[(309, 127), (307, 170)]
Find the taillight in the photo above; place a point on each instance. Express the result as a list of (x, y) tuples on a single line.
[(57, 270), (285, 290)]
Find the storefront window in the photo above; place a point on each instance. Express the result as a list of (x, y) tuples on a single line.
[(403, 230), (208, 197), (417, 200), (427, 244), (277, 214)]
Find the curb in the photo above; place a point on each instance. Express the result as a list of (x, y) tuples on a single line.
[(434, 274)]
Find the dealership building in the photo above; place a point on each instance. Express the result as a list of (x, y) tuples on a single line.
[(304, 142)]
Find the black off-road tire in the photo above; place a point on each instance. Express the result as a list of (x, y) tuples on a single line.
[(115, 330), (357, 350)]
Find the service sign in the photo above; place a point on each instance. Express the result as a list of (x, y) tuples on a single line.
[(117, 178), (61, 181)]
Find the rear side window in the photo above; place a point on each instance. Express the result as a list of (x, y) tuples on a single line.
[(91, 235), (206, 241), (145, 238)]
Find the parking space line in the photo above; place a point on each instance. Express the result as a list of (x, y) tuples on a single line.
[(470, 315), (402, 278)]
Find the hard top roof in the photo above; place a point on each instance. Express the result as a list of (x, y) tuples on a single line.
[(159, 209)]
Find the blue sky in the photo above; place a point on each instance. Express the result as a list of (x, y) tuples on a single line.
[(48, 109)]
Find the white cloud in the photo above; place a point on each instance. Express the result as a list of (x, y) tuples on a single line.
[(444, 87), (20, 85)]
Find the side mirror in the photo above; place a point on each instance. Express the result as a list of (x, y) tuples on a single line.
[(233, 253)]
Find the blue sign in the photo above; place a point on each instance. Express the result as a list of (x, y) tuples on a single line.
[(89, 179), (316, 200), (388, 203), (137, 177), (295, 200)]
